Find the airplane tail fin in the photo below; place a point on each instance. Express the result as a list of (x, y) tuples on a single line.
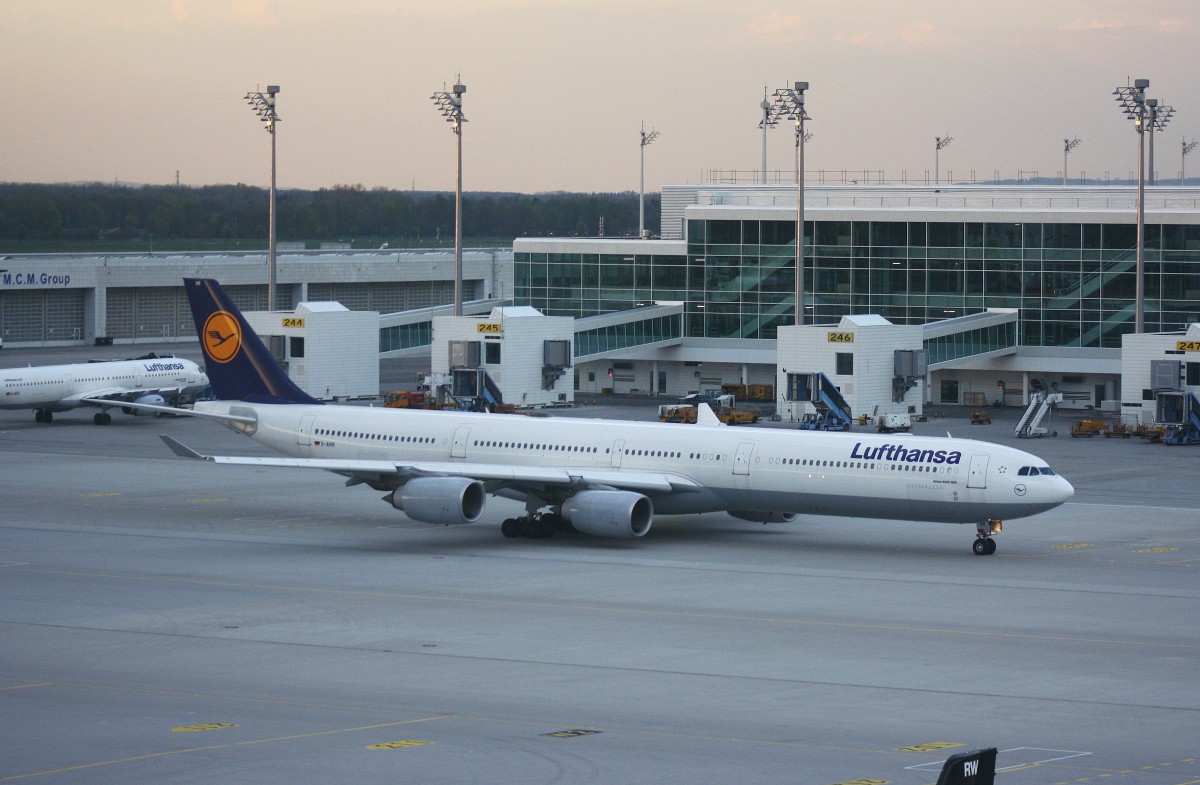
[(238, 363)]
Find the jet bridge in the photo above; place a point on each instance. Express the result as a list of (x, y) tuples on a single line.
[(1040, 405)]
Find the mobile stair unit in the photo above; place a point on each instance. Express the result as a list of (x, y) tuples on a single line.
[(833, 413), (1179, 413), (473, 390), (1040, 404)]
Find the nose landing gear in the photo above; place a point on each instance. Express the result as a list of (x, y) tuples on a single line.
[(984, 544)]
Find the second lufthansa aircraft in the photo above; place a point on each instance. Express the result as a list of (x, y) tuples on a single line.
[(102, 385), (606, 478)]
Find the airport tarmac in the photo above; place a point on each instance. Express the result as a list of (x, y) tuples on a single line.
[(170, 621)]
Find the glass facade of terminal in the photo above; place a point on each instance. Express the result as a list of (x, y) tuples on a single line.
[(969, 343), (1074, 283), (406, 336), (627, 335)]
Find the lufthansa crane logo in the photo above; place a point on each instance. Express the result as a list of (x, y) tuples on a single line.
[(222, 338)]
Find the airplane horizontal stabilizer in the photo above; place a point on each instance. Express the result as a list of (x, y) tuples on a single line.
[(181, 449), (150, 407)]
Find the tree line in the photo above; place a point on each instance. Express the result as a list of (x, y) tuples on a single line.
[(238, 214)]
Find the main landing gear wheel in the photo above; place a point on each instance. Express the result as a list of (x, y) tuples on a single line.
[(536, 527), (43, 415), (102, 418)]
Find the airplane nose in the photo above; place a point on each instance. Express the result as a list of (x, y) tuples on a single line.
[(1064, 491)]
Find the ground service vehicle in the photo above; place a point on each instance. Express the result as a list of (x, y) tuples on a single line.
[(889, 423)]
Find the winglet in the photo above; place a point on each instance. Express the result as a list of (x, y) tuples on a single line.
[(705, 415), (182, 450)]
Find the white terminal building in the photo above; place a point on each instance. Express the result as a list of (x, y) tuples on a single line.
[(1003, 290)]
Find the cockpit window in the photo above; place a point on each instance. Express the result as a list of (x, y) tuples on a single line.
[(1033, 471)]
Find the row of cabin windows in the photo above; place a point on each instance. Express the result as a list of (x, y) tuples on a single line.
[(577, 449), (57, 381), (901, 467), (378, 437), (528, 446)]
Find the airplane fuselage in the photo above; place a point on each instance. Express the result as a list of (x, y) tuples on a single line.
[(764, 470), (58, 388)]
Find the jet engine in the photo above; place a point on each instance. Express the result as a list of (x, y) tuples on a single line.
[(153, 399), (609, 513), (445, 500), (756, 516)]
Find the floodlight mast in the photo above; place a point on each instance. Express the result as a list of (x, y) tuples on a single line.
[(1159, 116), (789, 103), (1068, 146), (450, 105), (939, 143), (1133, 104), (647, 138), (264, 107), (1187, 148)]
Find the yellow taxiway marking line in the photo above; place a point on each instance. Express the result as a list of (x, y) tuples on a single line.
[(230, 745)]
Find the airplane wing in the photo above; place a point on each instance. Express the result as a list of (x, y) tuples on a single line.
[(646, 482), (120, 396), (103, 396)]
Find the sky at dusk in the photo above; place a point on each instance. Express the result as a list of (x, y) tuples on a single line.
[(557, 90)]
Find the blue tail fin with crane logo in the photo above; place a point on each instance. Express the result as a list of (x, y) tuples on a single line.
[(239, 365)]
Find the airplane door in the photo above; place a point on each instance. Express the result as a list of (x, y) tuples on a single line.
[(741, 460), (618, 449), (304, 434), (977, 476), (458, 448)]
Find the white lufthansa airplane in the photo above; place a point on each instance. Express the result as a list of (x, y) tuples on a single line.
[(107, 384), (607, 478)]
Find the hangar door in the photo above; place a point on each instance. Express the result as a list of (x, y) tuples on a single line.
[(42, 315), (162, 312)]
